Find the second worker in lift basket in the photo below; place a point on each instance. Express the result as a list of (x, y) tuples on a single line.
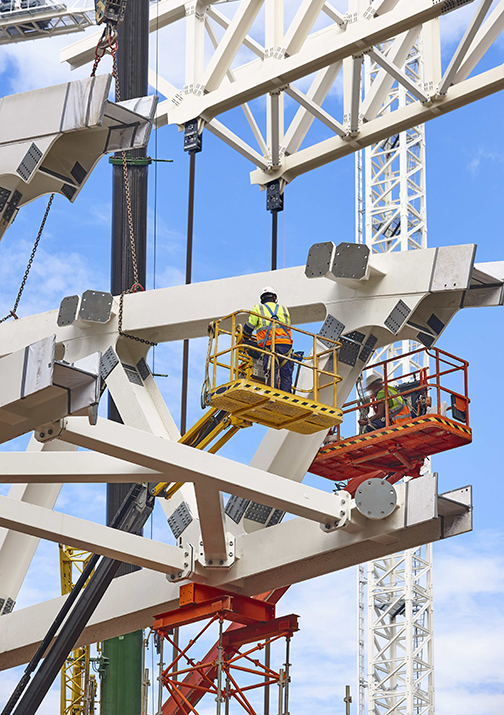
[(398, 408), (273, 319)]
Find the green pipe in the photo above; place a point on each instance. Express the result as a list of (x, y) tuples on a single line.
[(121, 684)]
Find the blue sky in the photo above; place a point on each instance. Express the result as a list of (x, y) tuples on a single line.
[(465, 186)]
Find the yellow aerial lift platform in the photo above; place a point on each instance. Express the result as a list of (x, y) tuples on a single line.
[(246, 399), (246, 395)]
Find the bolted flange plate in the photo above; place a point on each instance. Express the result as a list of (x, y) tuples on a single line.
[(376, 498)]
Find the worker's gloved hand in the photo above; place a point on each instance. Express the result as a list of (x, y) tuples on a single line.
[(363, 422)]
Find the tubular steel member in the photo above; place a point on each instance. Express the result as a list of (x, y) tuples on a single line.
[(78, 686), (400, 447), (245, 392), (253, 621)]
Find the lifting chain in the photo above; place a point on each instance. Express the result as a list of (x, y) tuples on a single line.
[(108, 43), (12, 313)]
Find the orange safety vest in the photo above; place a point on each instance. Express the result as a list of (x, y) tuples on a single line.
[(280, 324)]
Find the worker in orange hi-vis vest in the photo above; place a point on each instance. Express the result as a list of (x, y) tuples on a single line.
[(273, 319), (398, 407)]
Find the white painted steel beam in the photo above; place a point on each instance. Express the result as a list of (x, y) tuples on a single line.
[(334, 14), (458, 95), (377, 93), (301, 25), (224, 22), (230, 44), (69, 468), (396, 72), (233, 140), (465, 43), (303, 119), (284, 554), (16, 549), (327, 47), (484, 39), (96, 538), (227, 135), (180, 463), (317, 111)]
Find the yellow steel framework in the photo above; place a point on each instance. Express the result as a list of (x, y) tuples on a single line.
[(78, 686), (245, 398), (236, 384)]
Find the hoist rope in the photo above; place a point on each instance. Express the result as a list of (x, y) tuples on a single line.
[(205, 390), (190, 228), (108, 43), (12, 313)]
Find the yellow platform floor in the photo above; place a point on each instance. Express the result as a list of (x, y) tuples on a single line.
[(274, 408)]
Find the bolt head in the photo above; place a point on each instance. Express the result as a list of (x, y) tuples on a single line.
[(49, 431), (42, 435), (210, 563), (327, 526), (186, 554), (186, 564), (342, 513), (230, 554), (221, 563)]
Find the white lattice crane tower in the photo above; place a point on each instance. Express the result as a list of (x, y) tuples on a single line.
[(391, 216)]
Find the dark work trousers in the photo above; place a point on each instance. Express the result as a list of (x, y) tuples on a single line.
[(376, 423), (283, 372)]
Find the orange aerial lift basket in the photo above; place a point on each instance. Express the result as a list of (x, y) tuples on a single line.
[(437, 419)]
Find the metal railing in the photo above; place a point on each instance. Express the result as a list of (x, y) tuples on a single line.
[(243, 355), (424, 390)]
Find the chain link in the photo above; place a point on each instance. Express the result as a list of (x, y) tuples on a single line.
[(109, 43), (12, 313)]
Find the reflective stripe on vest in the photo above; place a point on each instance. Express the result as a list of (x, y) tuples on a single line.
[(264, 325), (399, 407)]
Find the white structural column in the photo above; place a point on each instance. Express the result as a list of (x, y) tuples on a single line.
[(400, 623), (391, 216)]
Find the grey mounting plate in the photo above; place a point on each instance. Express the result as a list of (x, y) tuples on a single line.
[(319, 261), (351, 261), (68, 310), (96, 306)]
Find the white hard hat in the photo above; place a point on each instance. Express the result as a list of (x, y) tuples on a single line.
[(371, 379), (268, 289)]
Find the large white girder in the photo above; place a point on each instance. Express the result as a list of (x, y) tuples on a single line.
[(55, 148), (387, 31), (436, 281), (284, 554)]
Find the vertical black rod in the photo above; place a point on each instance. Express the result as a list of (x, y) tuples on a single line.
[(274, 239), (132, 63), (125, 672), (189, 251)]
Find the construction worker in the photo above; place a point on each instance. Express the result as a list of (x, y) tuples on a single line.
[(274, 322), (398, 407)]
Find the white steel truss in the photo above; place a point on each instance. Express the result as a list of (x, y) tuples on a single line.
[(401, 671), (239, 51), (391, 216), (44, 18)]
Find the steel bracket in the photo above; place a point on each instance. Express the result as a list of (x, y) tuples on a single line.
[(219, 563), (188, 570), (50, 431), (345, 503)]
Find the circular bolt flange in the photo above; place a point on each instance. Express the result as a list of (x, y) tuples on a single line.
[(376, 498)]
